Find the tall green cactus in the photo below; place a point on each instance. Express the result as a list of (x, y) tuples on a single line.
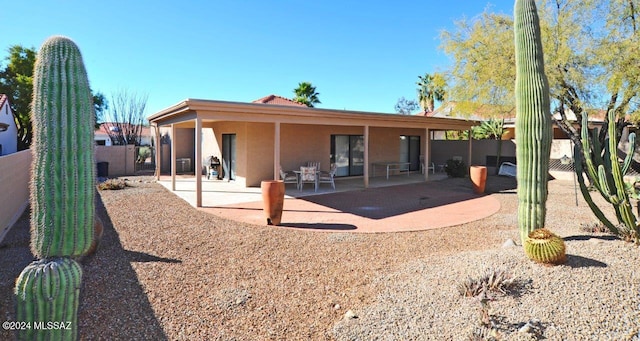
[(62, 192), (606, 174), (533, 119), (47, 292), (63, 176)]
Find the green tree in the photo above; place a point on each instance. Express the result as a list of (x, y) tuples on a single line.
[(431, 88), (100, 104), (16, 81), (405, 106), (482, 72), (306, 94), (591, 60)]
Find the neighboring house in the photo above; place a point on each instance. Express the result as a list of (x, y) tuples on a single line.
[(448, 110), (101, 135), (8, 128), (253, 140), (277, 100)]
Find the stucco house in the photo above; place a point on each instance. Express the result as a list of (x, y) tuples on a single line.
[(8, 128), (253, 140)]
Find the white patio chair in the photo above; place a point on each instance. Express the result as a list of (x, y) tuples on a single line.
[(327, 177), (308, 175), (288, 177), (423, 167), (314, 164)]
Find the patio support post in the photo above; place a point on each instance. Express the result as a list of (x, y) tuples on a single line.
[(173, 157), (157, 150), (366, 156), (276, 151), (427, 153), (470, 144), (198, 161)]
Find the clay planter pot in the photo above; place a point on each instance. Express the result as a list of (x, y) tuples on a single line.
[(478, 176), (272, 199)]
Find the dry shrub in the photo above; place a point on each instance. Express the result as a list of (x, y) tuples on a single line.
[(493, 280), (112, 184)]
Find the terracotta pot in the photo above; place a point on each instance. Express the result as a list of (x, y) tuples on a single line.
[(273, 200), (478, 176)]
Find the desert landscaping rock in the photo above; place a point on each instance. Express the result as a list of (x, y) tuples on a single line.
[(166, 271)]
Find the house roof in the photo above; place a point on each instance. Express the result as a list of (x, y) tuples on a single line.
[(186, 112), (106, 126), (278, 100)]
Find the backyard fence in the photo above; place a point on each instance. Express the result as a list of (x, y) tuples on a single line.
[(14, 188)]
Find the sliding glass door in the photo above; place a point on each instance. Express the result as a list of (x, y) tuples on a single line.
[(347, 153), (410, 151)]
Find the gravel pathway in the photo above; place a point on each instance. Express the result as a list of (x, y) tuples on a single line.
[(165, 270)]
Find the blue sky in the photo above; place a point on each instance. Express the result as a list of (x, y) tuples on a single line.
[(360, 55)]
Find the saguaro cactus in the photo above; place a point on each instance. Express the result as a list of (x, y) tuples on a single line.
[(62, 193), (533, 119), (49, 292), (63, 176)]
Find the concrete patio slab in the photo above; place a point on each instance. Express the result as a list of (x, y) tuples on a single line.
[(400, 204)]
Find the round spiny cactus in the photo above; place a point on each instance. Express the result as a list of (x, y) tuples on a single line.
[(545, 247)]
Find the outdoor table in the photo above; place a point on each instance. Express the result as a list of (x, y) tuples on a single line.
[(399, 166)]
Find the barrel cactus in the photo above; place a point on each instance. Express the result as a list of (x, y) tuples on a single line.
[(63, 176), (533, 119), (545, 247), (47, 293)]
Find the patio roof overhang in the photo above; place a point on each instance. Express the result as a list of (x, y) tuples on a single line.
[(184, 113), (192, 113)]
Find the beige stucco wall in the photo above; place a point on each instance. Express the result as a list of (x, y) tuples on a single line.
[(121, 159), (14, 188)]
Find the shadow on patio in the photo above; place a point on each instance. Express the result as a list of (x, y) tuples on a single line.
[(403, 203)]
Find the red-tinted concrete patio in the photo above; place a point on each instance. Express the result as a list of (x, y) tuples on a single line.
[(405, 207)]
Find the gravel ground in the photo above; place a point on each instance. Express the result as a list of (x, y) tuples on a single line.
[(167, 271)]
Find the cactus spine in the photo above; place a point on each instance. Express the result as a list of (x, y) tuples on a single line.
[(62, 192), (63, 177), (607, 175), (533, 119), (49, 292)]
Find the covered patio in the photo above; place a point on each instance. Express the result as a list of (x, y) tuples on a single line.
[(254, 140)]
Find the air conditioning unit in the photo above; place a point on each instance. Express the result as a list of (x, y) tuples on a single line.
[(183, 165)]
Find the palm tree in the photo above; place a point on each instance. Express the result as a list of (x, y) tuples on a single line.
[(306, 94), (430, 89)]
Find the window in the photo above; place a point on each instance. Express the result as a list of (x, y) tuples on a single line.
[(347, 153)]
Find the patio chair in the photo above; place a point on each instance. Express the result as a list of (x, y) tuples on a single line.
[(432, 167), (288, 177), (314, 164), (327, 177), (308, 175)]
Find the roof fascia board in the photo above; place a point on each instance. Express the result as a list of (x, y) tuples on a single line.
[(257, 112)]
